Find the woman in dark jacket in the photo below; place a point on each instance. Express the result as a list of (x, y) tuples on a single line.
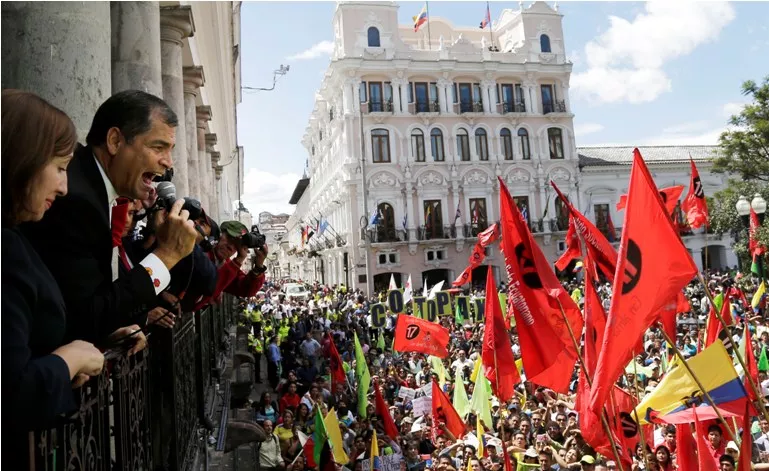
[(38, 371)]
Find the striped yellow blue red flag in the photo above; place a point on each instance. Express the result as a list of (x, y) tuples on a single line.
[(673, 398), (376, 461), (758, 297), (421, 18)]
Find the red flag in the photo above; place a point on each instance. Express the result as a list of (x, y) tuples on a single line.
[(413, 334), (686, 448), (746, 447), (476, 258), (706, 461), (573, 247), (595, 318), (465, 277), (695, 205), (603, 253), (497, 353), (670, 197), (384, 412), (713, 327), (756, 249), (537, 297), (668, 316), (335, 364), (652, 268), (750, 363), (683, 305), (444, 412), (488, 236), (508, 463), (589, 422)]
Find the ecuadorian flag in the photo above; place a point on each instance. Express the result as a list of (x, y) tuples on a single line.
[(376, 461), (421, 18), (673, 398), (758, 297)]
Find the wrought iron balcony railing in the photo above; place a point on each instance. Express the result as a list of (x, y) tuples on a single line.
[(510, 107), (556, 106), (436, 233)]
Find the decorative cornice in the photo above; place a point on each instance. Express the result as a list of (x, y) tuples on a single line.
[(203, 115), (176, 23), (193, 79)]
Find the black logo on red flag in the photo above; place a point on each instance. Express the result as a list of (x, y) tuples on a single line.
[(632, 267), (412, 331)]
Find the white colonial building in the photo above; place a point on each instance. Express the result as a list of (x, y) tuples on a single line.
[(441, 119)]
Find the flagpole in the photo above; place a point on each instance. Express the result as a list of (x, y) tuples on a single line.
[(491, 31), (429, 37), (638, 399), (699, 383), (582, 365), (737, 353)]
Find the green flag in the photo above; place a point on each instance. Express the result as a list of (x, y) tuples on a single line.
[(437, 366), (481, 401), (718, 301), (380, 343), (319, 435), (458, 315), (362, 378), (763, 362), (460, 402)]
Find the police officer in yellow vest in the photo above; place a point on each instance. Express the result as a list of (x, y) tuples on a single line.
[(257, 347)]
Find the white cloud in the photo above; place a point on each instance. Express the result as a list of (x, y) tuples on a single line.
[(587, 128), (692, 138), (625, 63), (732, 109), (687, 128), (265, 191), (323, 48)]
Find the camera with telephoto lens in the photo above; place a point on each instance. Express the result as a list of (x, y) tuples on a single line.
[(254, 239)]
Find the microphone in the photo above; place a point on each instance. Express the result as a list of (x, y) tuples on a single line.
[(167, 192)]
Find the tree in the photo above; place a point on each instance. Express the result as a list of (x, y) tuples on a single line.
[(725, 220), (745, 148)]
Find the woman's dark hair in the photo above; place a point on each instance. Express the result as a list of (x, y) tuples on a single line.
[(130, 111), (34, 132)]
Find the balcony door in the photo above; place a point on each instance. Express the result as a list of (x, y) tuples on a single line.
[(548, 99), (386, 227), (433, 219)]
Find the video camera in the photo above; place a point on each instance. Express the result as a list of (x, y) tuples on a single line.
[(167, 197), (254, 239)]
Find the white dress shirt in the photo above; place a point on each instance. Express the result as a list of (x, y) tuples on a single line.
[(156, 269)]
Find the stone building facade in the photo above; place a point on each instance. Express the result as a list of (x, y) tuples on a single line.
[(77, 54), (441, 119)]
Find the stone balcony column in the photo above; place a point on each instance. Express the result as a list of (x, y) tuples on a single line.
[(176, 24), (216, 182), (347, 98), (443, 88), (61, 52), (193, 80), (203, 116), (136, 47)]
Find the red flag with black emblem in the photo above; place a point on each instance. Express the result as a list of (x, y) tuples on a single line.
[(669, 196), (538, 299), (497, 353), (413, 334), (573, 247), (603, 253), (335, 364), (477, 257), (465, 277), (488, 236), (652, 268), (695, 205)]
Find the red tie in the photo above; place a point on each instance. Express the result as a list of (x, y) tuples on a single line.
[(119, 220)]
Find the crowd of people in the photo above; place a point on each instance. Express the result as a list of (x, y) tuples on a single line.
[(537, 429), (93, 256)]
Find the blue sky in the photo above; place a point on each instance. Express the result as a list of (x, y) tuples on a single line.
[(667, 73)]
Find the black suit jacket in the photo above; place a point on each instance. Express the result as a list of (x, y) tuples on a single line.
[(75, 242)]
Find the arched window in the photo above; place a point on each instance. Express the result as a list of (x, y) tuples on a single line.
[(481, 144), (386, 227), (507, 143), (463, 145), (525, 149), (544, 42), (418, 145), (436, 145), (373, 37), (555, 142), (380, 145)]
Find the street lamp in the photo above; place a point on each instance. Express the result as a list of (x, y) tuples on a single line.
[(759, 206), (743, 209)]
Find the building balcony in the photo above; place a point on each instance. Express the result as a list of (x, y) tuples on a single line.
[(472, 230), (151, 410), (424, 107), (382, 234), (436, 233), (468, 107), (510, 107), (377, 107), (556, 106)]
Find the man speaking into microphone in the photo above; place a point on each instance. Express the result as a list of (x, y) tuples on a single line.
[(129, 144)]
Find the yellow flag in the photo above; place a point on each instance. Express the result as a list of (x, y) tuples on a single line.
[(479, 434), (335, 437), (476, 369)]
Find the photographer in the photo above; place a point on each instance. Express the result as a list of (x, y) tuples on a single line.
[(235, 238)]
